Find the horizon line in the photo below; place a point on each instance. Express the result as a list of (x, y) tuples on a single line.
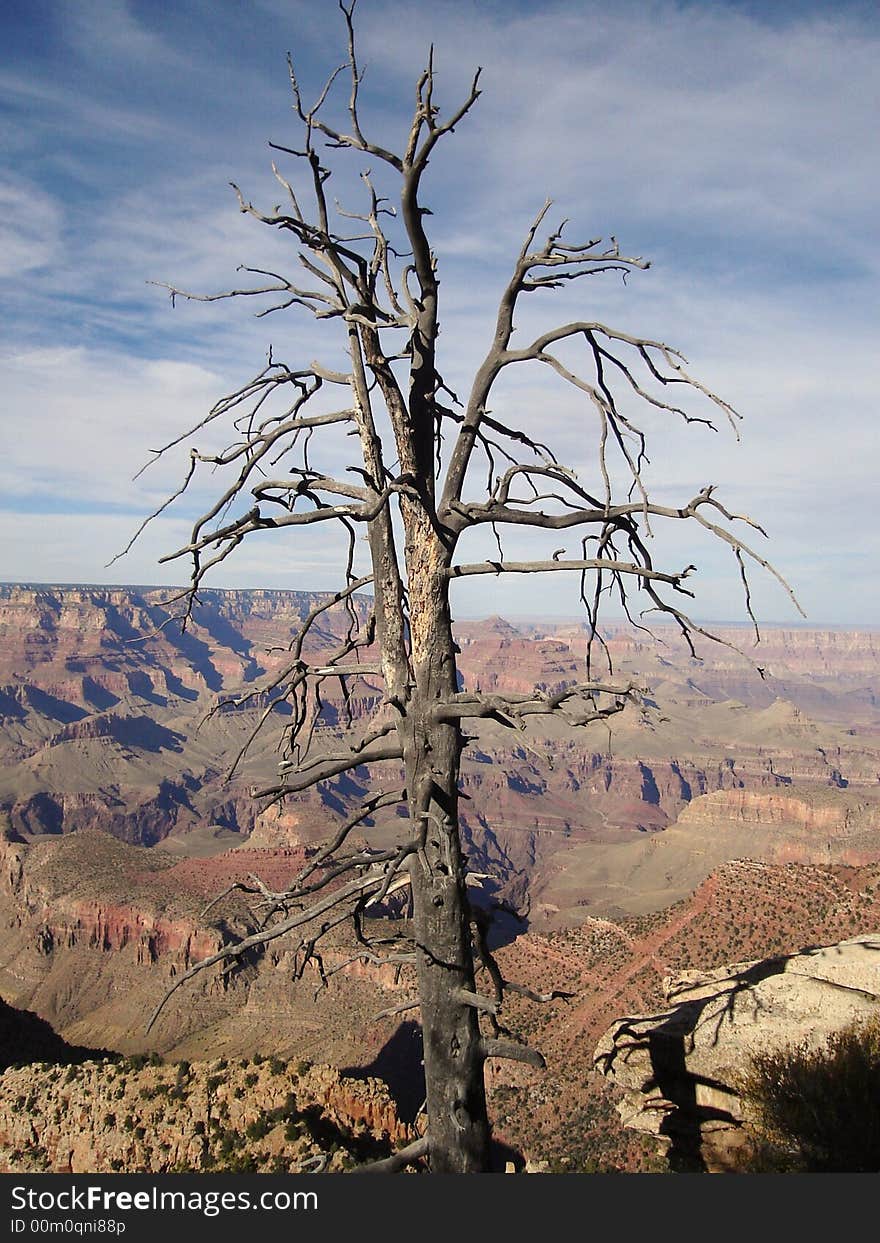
[(528, 618)]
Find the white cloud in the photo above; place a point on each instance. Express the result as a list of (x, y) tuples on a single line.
[(82, 547), (78, 424), (736, 151), (634, 112), (108, 32), (76, 547)]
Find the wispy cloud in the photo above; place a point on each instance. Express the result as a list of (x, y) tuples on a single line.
[(29, 228), (734, 148)]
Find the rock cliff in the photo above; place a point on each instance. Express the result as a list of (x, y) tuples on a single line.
[(95, 930), (120, 1116)]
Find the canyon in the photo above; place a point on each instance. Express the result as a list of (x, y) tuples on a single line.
[(736, 814), (109, 719)]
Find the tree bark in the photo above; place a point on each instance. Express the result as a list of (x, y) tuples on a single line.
[(458, 1126)]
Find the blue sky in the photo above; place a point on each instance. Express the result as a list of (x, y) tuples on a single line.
[(734, 144)]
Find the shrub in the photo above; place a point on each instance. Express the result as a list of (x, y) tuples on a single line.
[(259, 1128), (817, 1110), (242, 1163)]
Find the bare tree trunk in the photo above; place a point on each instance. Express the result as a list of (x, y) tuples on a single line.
[(458, 1125)]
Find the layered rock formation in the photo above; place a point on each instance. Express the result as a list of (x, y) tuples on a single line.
[(744, 911), (107, 746), (106, 724), (102, 696), (94, 931), (99, 990)]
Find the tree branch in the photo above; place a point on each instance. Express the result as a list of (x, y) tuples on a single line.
[(397, 1161), (355, 888), (545, 567), (513, 1052)]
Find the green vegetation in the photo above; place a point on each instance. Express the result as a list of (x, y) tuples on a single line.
[(139, 1060)]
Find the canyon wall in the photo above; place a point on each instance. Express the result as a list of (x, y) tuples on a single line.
[(109, 720)]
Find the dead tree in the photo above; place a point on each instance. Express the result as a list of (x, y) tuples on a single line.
[(372, 277)]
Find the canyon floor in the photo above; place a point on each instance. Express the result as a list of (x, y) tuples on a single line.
[(737, 815)]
